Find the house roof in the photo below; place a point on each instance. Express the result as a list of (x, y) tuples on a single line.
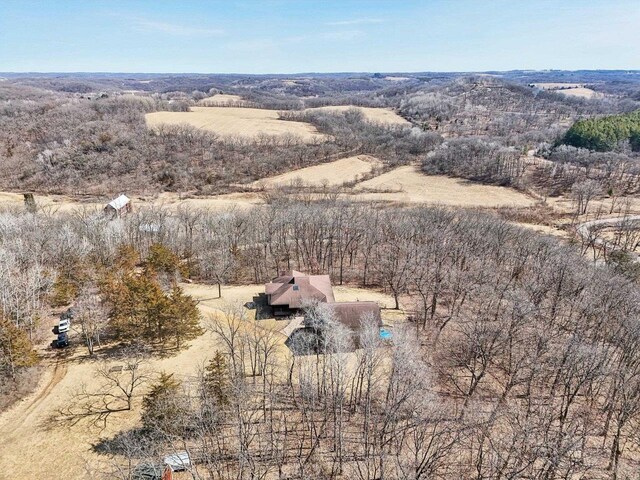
[(351, 314), (293, 288), (119, 202)]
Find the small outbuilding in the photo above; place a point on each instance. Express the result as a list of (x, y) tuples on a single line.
[(118, 206)]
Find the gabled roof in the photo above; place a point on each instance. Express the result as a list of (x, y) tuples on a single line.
[(119, 202), (293, 288)]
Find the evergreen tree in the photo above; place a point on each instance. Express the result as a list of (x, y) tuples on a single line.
[(162, 409), (162, 260), (216, 380), (185, 316), (16, 351)]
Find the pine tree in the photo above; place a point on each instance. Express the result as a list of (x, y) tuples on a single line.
[(161, 407), (162, 260), (216, 380), (16, 351), (185, 316)]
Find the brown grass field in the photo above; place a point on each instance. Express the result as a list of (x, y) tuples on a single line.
[(332, 173), (222, 100), (35, 445), (569, 89), (383, 116), (235, 121), (408, 185)]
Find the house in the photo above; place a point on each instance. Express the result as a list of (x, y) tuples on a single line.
[(352, 314), (118, 207), (289, 292)]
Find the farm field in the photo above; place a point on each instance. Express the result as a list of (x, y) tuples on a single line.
[(402, 185), (236, 121), (332, 173), (407, 184), (29, 425), (569, 89), (580, 92), (383, 116), (170, 200), (222, 100)]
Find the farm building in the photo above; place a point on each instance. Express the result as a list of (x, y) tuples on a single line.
[(118, 206), (287, 293)]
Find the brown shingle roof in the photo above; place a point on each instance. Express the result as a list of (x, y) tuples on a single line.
[(351, 314), (293, 288)]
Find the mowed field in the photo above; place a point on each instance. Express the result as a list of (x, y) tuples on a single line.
[(222, 100), (35, 444), (569, 89), (382, 116), (580, 92), (236, 121), (332, 173), (407, 184)]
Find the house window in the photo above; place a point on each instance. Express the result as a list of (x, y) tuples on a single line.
[(296, 288)]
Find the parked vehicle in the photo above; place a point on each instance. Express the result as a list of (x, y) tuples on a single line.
[(62, 341), (64, 325)]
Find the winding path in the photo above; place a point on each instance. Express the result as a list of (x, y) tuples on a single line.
[(584, 230)]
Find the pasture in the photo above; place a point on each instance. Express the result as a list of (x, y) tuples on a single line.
[(235, 121), (407, 184), (331, 174), (383, 116)]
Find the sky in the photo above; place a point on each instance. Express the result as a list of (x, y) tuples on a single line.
[(296, 36)]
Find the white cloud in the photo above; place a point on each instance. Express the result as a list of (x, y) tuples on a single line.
[(176, 29), (355, 21)]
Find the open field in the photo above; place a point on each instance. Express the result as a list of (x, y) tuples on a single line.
[(65, 452), (408, 185), (569, 89), (402, 185), (222, 100), (332, 173), (169, 200), (383, 116), (236, 121), (580, 92)]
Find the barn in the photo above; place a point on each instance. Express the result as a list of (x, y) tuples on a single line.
[(118, 206)]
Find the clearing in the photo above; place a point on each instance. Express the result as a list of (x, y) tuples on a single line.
[(335, 173), (408, 184), (170, 200), (580, 92), (383, 116), (65, 452), (236, 121), (223, 100), (569, 89)]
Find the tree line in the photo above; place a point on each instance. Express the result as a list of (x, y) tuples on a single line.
[(520, 358)]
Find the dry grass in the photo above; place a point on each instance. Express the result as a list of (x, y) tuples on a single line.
[(63, 204), (569, 89), (580, 92), (222, 100), (408, 185), (383, 116), (34, 447), (332, 174), (234, 121)]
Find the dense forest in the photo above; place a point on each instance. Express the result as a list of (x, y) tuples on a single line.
[(605, 134)]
